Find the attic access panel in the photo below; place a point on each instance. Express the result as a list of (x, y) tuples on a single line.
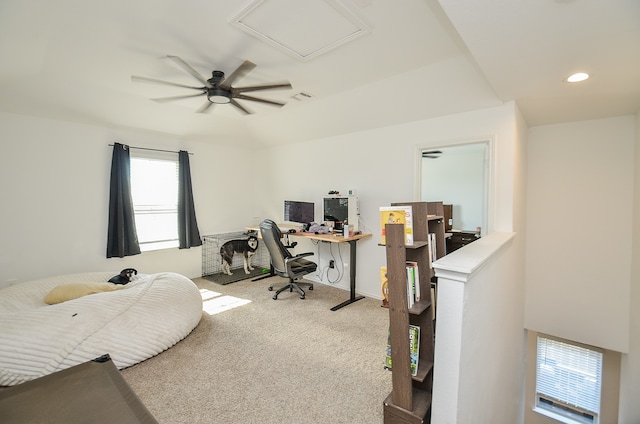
[(302, 29)]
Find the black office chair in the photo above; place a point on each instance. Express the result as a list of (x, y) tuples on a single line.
[(283, 263)]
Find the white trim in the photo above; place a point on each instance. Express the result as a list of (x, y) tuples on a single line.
[(159, 245), (464, 263), (488, 197), (562, 368), (558, 417), (152, 240)]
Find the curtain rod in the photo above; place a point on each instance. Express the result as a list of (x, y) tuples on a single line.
[(155, 150)]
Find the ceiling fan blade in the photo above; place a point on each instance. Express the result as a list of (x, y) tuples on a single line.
[(255, 99), (205, 107), (240, 107), (239, 73), (431, 154), (184, 65), (136, 78), (280, 86), (168, 99)]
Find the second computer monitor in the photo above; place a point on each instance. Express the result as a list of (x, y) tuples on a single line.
[(299, 212), (339, 210)]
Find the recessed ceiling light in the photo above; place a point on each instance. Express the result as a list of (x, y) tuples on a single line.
[(577, 77)]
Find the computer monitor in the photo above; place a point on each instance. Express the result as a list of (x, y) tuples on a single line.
[(340, 209), (299, 212)]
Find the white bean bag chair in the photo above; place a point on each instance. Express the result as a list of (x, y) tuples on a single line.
[(131, 323)]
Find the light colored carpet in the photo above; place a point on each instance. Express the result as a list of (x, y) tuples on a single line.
[(272, 361)]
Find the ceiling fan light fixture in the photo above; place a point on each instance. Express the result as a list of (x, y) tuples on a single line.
[(219, 96), (578, 77), (431, 154), (218, 89)]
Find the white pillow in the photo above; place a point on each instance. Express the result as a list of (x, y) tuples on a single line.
[(72, 291)]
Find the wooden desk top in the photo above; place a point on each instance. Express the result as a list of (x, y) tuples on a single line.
[(333, 238)]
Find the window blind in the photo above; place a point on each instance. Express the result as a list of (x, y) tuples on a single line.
[(569, 374)]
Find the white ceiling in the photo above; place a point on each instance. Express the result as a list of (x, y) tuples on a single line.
[(73, 60)]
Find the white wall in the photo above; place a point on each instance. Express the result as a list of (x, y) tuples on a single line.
[(380, 165), (54, 181), (479, 334), (59, 217), (583, 183), (579, 222), (630, 375), (480, 341)]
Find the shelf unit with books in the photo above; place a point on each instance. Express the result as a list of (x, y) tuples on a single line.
[(429, 215), (410, 398), (435, 224)]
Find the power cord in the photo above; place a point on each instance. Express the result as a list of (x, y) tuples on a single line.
[(340, 268), (320, 272)]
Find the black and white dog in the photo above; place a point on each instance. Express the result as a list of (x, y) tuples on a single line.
[(124, 277), (247, 248)]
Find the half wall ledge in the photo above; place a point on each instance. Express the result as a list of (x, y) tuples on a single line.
[(462, 264)]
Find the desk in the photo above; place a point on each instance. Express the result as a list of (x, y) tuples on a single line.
[(352, 240), (335, 238)]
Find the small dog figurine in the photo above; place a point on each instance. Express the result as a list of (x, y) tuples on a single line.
[(247, 248), (124, 277)]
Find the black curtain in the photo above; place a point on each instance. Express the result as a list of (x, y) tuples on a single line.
[(188, 233), (122, 239)]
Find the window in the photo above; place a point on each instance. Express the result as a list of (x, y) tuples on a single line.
[(568, 381), (154, 190)]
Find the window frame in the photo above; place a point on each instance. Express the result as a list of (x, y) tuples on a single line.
[(157, 244), (563, 410)]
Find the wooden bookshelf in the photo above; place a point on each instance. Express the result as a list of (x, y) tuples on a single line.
[(410, 398)]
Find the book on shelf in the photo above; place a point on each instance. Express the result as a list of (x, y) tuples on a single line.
[(384, 282), (387, 358), (414, 350), (397, 215), (432, 247), (411, 288), (433, 298), (413, 277)]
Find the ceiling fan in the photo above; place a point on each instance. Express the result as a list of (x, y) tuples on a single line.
[(431, 154), (218, 89)]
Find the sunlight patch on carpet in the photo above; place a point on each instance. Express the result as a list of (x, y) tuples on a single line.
[(208, 294), (214, 302)]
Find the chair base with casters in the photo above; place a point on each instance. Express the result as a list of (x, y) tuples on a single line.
[(291, 285), (283, 263)]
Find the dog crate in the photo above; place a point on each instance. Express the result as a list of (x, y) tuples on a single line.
[(212, 261)]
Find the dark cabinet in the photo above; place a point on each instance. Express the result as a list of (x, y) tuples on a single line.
[(457, 239)]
